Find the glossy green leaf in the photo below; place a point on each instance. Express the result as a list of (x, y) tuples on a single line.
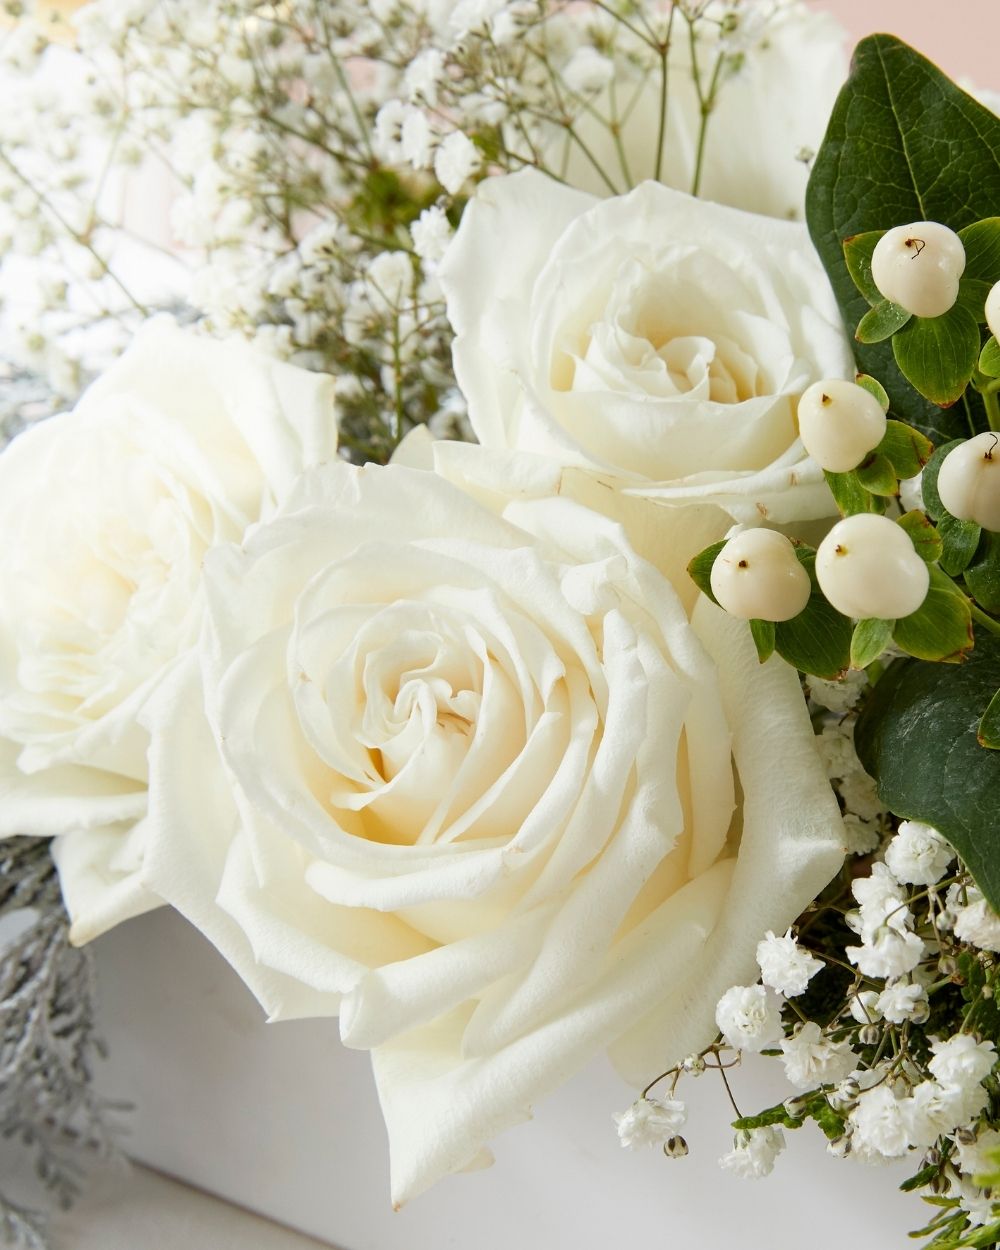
[(972, 293), (917, 736), (874, 387), (937, 355), (858, 257), (959, 540), (875, 473), (904, 144), (881, 322), (762, 633), (923, 535), (906, 448), (700, 569), (818, 640), (981, 241), (941, 628), (988, 732), (982, 574), (989, 359), (869, 640), (850, 496)]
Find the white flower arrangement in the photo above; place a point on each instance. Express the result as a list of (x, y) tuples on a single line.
[(512, 753)]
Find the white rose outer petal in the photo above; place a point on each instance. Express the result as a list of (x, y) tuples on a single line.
[(563, 349), (480, 963), (106, 513)]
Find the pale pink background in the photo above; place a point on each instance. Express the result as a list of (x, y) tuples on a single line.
[(962, 36)]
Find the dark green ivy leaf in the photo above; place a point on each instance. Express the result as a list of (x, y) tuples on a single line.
[(904, 144), (917, 736)]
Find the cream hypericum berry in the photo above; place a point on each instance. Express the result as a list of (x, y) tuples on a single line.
[(993, 311), (918, 267), (756, 575), (839, 424), (969, 481), (867, 566)]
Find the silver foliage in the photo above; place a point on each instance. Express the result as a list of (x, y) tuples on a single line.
[(48, 1041)]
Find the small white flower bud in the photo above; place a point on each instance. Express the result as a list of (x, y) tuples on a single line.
[(867, 566), (675, 1147), (757, 575), (839, 424), (868, 1035), (918, 267), (993, 311), (969, 481)]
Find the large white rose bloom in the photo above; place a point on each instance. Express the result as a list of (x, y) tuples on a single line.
[(470, 778), (769, 118), (107, 513), (652, 337)]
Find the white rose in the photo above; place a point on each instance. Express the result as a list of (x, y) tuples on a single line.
[(770, 114), (655, 338), (107, 513), (468, 778)]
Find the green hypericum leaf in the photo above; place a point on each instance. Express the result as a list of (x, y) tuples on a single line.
[(858, 257), (923, 535), (818, 640), (941, 628), (989, 360), (850, 496), (938, 354), (917, 737), (959, 540), (981, 241), (869, 640), (982, 574), (906, 448), (881, 322), (876, 474), (762, 633), (700, 569), (972, 293), (988, 732), (904, 144), (874, 387)]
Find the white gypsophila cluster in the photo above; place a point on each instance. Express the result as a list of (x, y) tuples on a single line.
[(754, 1153), (650, 1122), (252, 162), (892, 1069)]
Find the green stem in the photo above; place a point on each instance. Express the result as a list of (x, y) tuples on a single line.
[(991, 402), (984, 619), (661, 134)]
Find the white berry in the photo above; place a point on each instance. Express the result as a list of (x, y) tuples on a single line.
[(993, 311), (918, 267), (868, 567), (969, 481), (756, 576), (839, 424)]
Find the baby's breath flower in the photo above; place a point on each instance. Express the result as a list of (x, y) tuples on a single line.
[(918, 855), (754, 1152), (784, 965), (899, 1002), (650, 1122), (455, 162), (749, 1017), (812, 1059)]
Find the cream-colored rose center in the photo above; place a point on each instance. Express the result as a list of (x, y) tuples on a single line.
[(666, 334)]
